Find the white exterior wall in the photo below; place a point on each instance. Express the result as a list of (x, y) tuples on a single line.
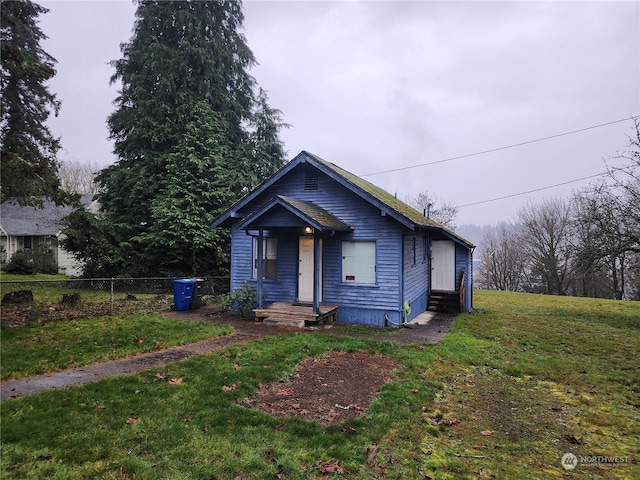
[(68, 265)]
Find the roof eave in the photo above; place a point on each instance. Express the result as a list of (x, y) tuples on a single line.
[(225, 218), (312, 222)]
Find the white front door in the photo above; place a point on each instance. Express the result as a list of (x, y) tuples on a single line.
[(443, 266), (305, 270)]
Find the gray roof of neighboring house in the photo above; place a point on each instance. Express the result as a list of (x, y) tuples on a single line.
[(16, 219)]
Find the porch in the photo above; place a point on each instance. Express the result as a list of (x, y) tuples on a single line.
[(444, 301), (296, 314)]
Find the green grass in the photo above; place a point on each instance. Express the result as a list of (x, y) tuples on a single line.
[(55, 346), (45, 288), (10, 277), (192, 430), (49, 289), (545, 375)]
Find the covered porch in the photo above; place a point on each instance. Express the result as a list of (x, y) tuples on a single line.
[(287, 217)]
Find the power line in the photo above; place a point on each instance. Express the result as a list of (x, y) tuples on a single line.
[(541, 188), (633, 117)]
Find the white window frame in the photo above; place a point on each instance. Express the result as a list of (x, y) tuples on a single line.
[(269, 257), (359, 262)]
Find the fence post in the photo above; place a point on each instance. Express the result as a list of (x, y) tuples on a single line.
[(111, 298)]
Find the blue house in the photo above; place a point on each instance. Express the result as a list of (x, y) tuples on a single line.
[(341, 247)]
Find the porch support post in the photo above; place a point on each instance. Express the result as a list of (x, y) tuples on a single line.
[(316, 272), (259, 256)]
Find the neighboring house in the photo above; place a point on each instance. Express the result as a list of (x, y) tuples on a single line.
[(327, 237), (30, 228)]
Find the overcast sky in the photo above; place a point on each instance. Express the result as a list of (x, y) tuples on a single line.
[(379, 85)]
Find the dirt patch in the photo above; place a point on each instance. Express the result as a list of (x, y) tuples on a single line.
[(328, 389), (352, 379), (15, 315)]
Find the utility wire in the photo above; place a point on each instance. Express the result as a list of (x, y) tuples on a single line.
[(541, 188), (633, 117)]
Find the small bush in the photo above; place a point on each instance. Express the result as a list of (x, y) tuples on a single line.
[(244, 299), (21, 262), (28, 263)]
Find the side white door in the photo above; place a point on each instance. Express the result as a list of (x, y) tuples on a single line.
[(305, 270), (443, 266)]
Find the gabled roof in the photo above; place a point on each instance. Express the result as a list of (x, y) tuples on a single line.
[(387, 203), (310, 213), (386, 200), (16, 219)]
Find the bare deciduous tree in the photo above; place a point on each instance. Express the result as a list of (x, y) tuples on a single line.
[(442, 212), (606, 221), (624, 187), (546, 237), (503, 258), (589, 277), (77, 177)]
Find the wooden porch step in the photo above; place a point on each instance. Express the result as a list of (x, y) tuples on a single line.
[(268, 312), (444, 302), (291, 314), (283, 322)]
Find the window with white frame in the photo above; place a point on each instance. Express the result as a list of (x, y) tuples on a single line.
[(269, 257), (359, 262)]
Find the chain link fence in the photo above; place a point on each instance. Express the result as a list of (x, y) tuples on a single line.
[(40, 301)]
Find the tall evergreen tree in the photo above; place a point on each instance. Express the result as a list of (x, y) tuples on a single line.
[(184, 134), (29, 164), (267, 149)]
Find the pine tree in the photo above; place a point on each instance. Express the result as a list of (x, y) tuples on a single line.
[(267, 149), (29, 164), (183, 134)]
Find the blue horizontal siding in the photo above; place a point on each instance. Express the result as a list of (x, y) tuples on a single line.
[(241, 259), (280, 217), (369, 316), (463, 261), (416, 274), (369, 225), (358, 303), (281, 289)]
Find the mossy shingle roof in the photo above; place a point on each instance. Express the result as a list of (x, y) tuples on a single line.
[(383, 199)]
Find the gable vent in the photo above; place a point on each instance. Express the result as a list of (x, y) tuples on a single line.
[(311, 179)]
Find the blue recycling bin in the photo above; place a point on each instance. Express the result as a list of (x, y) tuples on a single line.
[(182, 293)]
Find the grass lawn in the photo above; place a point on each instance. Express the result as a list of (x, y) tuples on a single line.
[(30, 350), (510, 390), (49, 289)]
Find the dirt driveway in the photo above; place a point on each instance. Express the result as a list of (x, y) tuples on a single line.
[(244, 331)]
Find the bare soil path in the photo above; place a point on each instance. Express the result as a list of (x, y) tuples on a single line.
[(244, 331)]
